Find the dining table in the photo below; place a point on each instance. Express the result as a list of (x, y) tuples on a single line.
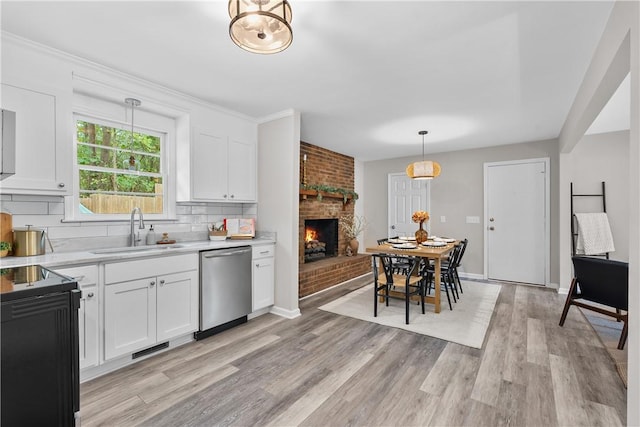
[(435, 253)]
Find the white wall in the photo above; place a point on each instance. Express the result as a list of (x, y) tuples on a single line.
[(278, 178), (597, 158)]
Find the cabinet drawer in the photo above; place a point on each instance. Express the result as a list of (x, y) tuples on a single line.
[(86, 275), (263, 251), (149, 267)]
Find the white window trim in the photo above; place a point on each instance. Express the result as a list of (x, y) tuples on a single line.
[(86, 107)]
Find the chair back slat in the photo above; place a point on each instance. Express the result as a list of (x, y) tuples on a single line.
[(463, 245)]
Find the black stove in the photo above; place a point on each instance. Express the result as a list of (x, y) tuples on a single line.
[(39, 368), (31, 280)]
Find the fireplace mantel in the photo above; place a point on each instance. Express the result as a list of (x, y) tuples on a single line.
[(304, 194)]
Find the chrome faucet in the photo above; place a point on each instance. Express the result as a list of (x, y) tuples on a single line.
[(133, 237)]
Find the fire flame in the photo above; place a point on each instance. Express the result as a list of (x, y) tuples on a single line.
[(310, 235)]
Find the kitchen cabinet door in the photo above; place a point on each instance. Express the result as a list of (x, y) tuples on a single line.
[(43, 163), (209, 177), (88, 321), (129, 317), (263, 276), (242, 171), (88, 326), (223, 169), (177, 304)]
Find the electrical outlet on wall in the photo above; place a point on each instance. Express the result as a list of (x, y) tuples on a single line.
[(443, 218), (473, 220)]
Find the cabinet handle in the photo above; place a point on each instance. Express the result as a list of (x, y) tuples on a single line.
[(90, 295), (153, 283), (161, 282), (264, 252), (258, 265), (225, 196), (232, 196), (61, 185)]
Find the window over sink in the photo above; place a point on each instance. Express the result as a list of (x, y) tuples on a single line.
[(116, 169)]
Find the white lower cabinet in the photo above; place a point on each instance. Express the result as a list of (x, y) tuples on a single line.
[(129, 317), (263, 260), (88, 332), (142, 309)]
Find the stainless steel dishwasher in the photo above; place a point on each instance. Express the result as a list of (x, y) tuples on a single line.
[(225, 289)]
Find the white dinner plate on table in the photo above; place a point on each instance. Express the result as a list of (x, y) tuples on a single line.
[(434, 244), (396, 241), (408, 238), (405, 246)]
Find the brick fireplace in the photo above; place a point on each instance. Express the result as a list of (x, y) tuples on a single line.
[(325, 167)]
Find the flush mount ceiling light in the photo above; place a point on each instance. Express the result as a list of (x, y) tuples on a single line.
[(260, 26), (426, 169), (131, 163)]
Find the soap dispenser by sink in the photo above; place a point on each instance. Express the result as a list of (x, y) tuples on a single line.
[(151, 236)]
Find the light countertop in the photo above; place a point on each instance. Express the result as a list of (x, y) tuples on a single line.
[(89, 256)]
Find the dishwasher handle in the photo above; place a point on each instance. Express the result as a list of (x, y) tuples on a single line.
[(224, 253)]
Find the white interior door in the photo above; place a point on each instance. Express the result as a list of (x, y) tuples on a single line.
[(516, 221), (406, 196)]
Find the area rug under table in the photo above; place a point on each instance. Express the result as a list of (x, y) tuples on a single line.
[(466, 324)]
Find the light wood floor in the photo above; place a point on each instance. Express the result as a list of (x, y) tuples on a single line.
[(324, 369)]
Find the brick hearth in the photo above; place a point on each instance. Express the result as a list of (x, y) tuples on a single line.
[(325, 167), (319, 275)]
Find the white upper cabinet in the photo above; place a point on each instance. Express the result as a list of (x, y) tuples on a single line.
[(223, 169), (43, 164)]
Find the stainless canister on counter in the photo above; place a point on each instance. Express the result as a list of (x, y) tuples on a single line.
[(29, 241)]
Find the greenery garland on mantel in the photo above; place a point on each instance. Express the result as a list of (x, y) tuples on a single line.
[(320, 188)]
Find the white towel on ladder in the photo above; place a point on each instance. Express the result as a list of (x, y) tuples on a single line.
[(594, 234)]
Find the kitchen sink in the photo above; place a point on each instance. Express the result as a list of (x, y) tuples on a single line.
[(135, 249)]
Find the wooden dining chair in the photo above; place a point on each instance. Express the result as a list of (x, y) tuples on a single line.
[(455, 263), (447, 275), (601, 281), (389, 284), (400, 265)]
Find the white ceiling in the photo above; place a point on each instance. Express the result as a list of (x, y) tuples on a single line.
[(366, 76)]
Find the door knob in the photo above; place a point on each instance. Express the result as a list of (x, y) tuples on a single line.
[(393, 227), (491, 228)]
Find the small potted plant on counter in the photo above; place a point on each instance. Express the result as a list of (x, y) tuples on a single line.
[(5, 247), (217, 231)]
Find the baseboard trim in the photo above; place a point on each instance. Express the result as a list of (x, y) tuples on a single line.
[(287, 314), (473, 276)]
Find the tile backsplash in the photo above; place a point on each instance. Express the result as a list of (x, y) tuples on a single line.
[(47, 212)]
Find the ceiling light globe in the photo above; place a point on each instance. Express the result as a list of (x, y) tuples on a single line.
[(260, 26)]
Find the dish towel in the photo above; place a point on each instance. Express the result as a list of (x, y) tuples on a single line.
[(594, 234)]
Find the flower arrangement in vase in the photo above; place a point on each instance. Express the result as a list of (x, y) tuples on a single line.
[(421, 217), (352, 226)]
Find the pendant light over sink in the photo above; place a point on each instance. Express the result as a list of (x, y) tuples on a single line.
[(131, 164), (261, 26), (426, 169)]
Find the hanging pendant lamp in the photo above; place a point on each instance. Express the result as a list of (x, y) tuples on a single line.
[(131, 163), (426, 169), (261, 26)]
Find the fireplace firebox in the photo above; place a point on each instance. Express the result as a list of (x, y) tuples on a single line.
[(320, 239)]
